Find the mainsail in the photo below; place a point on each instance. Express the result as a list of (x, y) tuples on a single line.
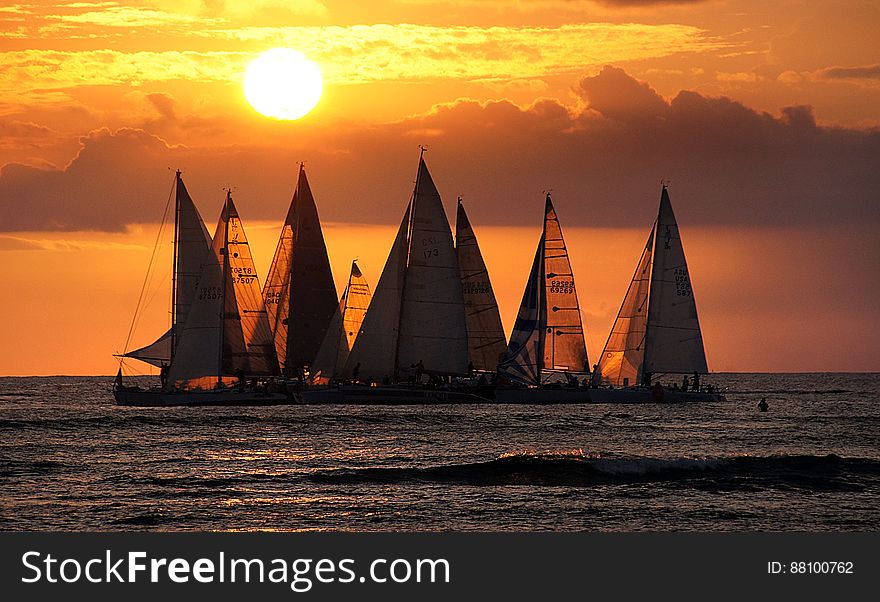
[(548, 333), (433, 327), (417, 314), (343, 329), (486, 342), (227, 333), (657, 329), (674, 341), (192, 247), (299, 295), (375, 347), (621, 360)]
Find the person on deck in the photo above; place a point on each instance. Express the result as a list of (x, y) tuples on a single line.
[(696, 381), (420, 369), (685, 383), (646, 379), (163, 374), (355, 372)]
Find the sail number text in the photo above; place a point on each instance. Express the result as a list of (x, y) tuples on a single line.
[(682, 283), (210, 292), (562, 287), (243, 275), (476, 288), (429, 247)]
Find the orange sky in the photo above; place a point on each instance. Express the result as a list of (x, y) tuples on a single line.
[(764, 116)]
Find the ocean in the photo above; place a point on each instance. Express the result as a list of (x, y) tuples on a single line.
[(70, 459)]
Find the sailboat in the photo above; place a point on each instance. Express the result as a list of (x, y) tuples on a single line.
[(547, 346), (300, 295), (219, 335), (656, 331), (343, 329), (415, 328), (485, 334)]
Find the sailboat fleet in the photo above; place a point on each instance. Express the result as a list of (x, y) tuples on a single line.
[(430, 331)]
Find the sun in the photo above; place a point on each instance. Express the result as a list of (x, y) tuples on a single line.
[(282, 83)]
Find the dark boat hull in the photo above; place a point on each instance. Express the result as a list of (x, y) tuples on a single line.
[(224, 397), (562, 395), (388, 395)]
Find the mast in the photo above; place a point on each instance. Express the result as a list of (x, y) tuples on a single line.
[(224, 266), (295, 231), (542, 299), (409, 227), (174, 266)]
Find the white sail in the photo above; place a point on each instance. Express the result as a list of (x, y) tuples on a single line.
[(563, 345), (674, 342), (433, 327), (624, 353), (486, 342), (343, 329), (276, 294), (522, 362), (300, 295), (157, 353), (253, 354), (192, 249), (375, 347)]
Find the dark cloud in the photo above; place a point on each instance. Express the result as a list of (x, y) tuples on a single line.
[(617, 95), (729, 165), (866, 72)]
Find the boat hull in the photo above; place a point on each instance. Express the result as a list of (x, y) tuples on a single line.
[(542, 396), (642, 395), (551, 395), (388, 395), (228, 397)]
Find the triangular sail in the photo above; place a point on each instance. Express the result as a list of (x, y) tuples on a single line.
[(343, 329), (157, 353), (522, 361), (192, 248), (624, 353), (257, 357), (564, 347), (433, 327), (226, 333), (486, 342), (674, 342), (300, 295), (375, 348), (548, 333)]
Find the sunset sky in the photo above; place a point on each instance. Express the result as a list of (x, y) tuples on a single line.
[(763, 116)]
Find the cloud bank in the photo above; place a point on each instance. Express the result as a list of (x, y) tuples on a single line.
[(604, 158)]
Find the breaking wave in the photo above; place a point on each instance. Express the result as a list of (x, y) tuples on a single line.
[(575, 468)]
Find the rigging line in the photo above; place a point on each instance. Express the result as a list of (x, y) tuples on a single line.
[(149, 270)]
